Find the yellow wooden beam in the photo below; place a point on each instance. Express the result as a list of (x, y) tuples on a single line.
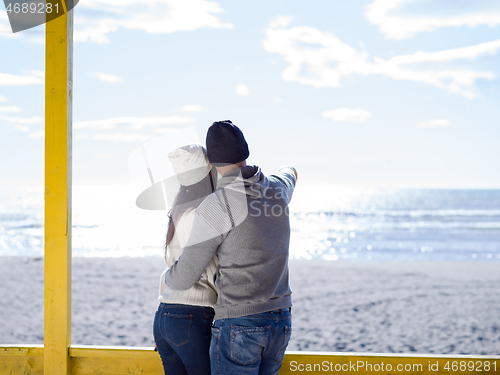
[(95, 360), (58, 124), (114, 361), (21, 359), (121, 360)]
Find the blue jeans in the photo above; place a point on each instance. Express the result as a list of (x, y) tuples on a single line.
[(182, 335), (250, 345)]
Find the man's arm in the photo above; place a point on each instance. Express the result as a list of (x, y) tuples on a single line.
[(291, 178), (288, 177), (196, 256)]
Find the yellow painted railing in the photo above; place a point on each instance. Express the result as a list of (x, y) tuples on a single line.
[(93, 360), (58, 357)]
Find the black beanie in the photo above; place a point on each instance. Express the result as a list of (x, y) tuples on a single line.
[(226, 144)]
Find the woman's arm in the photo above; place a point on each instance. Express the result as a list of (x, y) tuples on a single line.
[(196, 256)]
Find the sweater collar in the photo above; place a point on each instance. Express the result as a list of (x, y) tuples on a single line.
[(247, 176)]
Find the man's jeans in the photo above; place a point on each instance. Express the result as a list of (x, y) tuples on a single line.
[(182, 335), (252, 344)]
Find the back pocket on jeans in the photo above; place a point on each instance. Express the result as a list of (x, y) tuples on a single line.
[(286, 340), (248, 343), (177, 328)]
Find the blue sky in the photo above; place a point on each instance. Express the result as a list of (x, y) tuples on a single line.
[(400, 93)]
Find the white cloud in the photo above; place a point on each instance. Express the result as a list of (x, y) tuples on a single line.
[(106, 124), (11, 109), (5, 29), (37, 134), (321, 59), (37, 73), (106, 77), (152, 16), (380, 13), (122, 137), (22, 120), (23, 128), (15, 80), (95, 33), (81, 137), (277, 99), (134, 123), (192, 108), (470, 52), (347, 115), (3, 99), (431, 123), (281, 21), (242, 90), (166, 131)]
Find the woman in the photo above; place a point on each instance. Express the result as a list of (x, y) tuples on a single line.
[(182, 325)]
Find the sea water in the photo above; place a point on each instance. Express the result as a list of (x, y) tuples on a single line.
[(327, 222)]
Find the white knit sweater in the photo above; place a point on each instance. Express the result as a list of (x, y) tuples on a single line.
[(203, 293)]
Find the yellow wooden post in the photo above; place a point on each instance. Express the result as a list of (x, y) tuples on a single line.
[(58, 124)]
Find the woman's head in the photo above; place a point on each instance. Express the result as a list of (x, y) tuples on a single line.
[(195, 175), (190, 164)]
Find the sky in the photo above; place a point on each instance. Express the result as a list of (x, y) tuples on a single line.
[(374, 93)]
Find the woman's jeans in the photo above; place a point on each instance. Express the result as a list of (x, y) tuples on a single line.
[(182, 335), (252, 344)]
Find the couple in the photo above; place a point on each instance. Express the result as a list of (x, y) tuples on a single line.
[(225, 303)]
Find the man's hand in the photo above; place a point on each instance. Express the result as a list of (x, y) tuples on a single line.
[(292, 168)]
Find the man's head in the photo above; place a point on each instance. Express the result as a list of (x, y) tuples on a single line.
[(226, 146)]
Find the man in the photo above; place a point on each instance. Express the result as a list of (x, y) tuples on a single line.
[(246, 223)]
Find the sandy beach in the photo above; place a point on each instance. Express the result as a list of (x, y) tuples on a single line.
[(384, 307)]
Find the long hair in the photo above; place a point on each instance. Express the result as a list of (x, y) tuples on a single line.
[(188, 198)]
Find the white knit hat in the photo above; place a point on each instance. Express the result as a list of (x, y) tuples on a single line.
[(190, 163)]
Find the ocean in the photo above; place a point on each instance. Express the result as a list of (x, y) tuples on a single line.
[(330, 223)]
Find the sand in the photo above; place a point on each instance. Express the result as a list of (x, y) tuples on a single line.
[(377, 307), (397, 307)]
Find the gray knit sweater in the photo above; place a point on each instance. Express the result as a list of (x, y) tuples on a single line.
[(246, 223)]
